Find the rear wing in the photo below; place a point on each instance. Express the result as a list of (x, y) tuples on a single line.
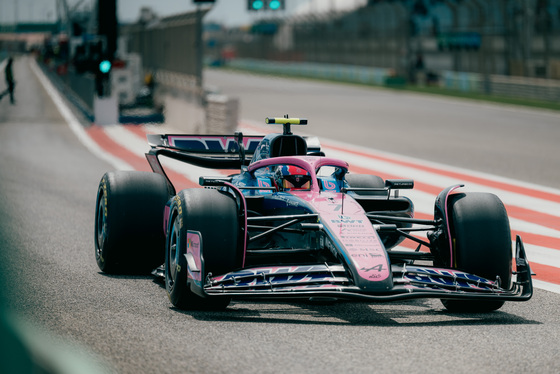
[(208, 151), (217, 147), (206, 144)]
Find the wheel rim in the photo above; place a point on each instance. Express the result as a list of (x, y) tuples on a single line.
[(172, 255), (101, 225)]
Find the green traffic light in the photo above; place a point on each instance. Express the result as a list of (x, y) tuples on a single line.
[(275, 4), (105, 66), (257, 5)]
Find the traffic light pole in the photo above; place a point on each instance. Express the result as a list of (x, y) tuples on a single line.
[(199, 49)]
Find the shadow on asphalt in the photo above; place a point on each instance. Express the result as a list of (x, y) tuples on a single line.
[(419, 312), (422, 313)]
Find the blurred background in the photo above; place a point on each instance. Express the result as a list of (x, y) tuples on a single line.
[(141, 53)]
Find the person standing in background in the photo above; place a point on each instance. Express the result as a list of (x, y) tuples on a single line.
[(9, 75)]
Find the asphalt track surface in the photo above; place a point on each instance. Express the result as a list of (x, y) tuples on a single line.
[(48, 182)]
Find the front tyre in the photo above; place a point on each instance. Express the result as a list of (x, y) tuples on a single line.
[(481, 240), (208, 218), (129, 236)]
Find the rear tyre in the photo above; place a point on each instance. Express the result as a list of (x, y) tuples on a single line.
[(211, 215), (481, 238), (365, 181), (129, 236)]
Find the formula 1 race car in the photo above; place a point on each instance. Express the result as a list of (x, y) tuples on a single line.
[(293, 223)]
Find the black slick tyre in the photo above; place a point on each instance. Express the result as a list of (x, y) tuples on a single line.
[(210, 216), (129, 235), (481, 239)]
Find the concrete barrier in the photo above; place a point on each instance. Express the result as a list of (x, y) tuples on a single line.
[(191, 110), (222, 114)]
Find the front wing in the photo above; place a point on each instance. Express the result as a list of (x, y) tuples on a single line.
[(410, 281)]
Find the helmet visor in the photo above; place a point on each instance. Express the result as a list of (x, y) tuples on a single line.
[(296, 182)]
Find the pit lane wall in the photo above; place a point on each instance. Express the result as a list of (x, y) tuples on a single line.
[(171, 53), (502, 85), (185, 107)]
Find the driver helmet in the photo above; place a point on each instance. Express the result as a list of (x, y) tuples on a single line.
[(292, 177)]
